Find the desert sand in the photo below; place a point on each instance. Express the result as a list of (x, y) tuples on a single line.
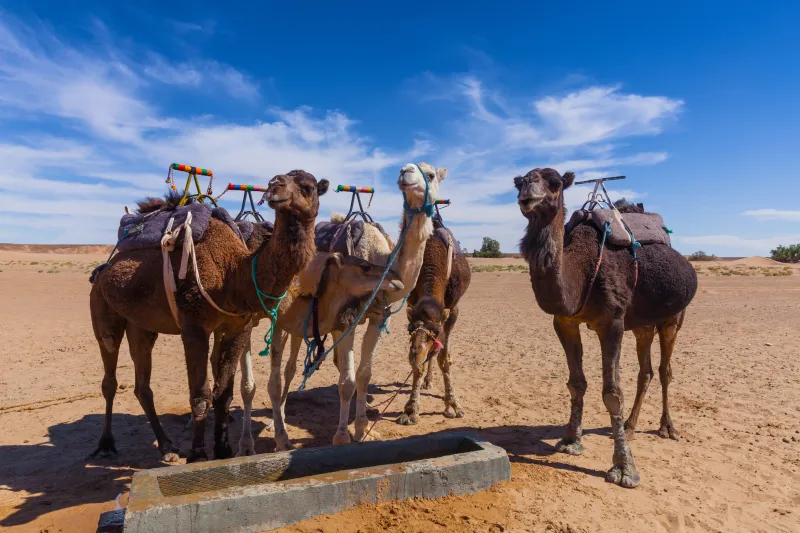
[(735, 400)]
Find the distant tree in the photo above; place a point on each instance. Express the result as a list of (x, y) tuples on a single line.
[(702, 256), (787, 254), (490, 248)]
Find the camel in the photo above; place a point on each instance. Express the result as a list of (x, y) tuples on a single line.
[(575, 284), (341, 284), (126, 298), (420, 185), (432, 312)]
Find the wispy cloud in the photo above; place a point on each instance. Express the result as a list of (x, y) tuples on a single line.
[(207, 74), (758, 245), (773, 214)]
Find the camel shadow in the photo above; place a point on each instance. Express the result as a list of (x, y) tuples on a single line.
[(59, 473)]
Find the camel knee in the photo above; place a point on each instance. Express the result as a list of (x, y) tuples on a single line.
[(665, 374), (110, 342), (612, 398), (200, 406)]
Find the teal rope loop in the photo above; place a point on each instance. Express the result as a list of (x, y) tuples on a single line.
[(383, 328), (311, 363), (271, 313)]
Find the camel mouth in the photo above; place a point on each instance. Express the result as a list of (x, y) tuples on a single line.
[(530, 202), (277, 201), (396, 285)]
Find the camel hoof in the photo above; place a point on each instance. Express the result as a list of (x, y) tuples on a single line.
[(197, 456), (171, 457), (373, 436), (283, 444), (668, 432), (426, 385), (406, 420), (625, 477), (223, 451), (451, 412), (570, 447), (341, 437), (105, 448)]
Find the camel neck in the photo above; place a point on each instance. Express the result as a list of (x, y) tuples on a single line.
[(557, 283), (278, 260), (409, 260)]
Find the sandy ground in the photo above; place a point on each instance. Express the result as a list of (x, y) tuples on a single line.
[(735, 400)]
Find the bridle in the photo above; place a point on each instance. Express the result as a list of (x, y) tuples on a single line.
[(437, 344)]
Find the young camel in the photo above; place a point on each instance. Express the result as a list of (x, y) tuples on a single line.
[(420, 186), (128, 298), (341, 285), (560, 274), (432, 312)]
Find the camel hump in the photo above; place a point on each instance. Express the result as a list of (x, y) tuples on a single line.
[(647, 228)]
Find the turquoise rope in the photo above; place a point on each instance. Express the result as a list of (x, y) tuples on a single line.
[(311, 365), (383, 327), (271, 313)]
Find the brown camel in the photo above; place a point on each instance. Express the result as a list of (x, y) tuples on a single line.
[(341, 285), (561, 273), (128, 297), (432, 312)]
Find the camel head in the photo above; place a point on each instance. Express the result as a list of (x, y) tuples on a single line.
[(297, 193), (425, 325), (541, 192), (346, 274), (412, 183)]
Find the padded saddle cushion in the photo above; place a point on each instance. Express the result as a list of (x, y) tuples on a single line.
[(146, 229), (342, 238), (647, 228)]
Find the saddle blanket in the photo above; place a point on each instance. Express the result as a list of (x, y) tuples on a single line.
[(647, 228)]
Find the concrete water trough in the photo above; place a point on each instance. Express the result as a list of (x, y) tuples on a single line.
[(263, 492)]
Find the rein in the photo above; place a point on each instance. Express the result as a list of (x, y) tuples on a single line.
[(271, 313)]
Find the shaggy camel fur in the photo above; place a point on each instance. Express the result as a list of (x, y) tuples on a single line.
[(432, 312), (561, 271), (342, 285), (375, 248), (128, 297)]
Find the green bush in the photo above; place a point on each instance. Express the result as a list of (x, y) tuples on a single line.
[(702, 256), (787, 254), (490, 248)]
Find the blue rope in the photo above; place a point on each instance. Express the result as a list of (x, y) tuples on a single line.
[(383, 328), (271, 313), (311, 364)]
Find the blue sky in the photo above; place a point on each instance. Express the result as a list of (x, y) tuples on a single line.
[(696, 102)]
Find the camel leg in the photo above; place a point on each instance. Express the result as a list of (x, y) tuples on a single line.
[(411, 410), (346, 363), (231, 349), (291, 366), (363, 376), (667, 335), (109, 329), (644, 340), (452, 407), (274, 388), (426, 385), (140, 343), (623, 472), (247, 445), (195, 345), (570, 336)]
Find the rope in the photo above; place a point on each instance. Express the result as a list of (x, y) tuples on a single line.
[(168, 241), (380, 416), (383, 328), (312, 363), (585, 299), (271, 313)]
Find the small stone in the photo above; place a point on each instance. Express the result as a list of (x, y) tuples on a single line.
[(786, 440), (665, 489), (767, 344), (26, 441)]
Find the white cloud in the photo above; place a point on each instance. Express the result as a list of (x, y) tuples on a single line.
[(208, 75), (759, 245), (773, 214)]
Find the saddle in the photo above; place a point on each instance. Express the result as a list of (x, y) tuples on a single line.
[(445, 235), (646, 228), (341, 237)]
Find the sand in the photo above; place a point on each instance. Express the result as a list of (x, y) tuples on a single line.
[(735, 400)]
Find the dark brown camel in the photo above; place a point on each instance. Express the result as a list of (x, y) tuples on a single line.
[(432, 312), (561, 271), (128, 297)]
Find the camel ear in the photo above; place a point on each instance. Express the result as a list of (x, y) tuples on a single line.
[(441, 174), (335, 257), (518, 182), (567, 180), (322, 187)]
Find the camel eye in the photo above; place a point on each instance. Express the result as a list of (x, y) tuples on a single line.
[(307, 189), (365, 269)]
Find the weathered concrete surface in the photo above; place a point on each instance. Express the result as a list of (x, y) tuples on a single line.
[(263, 492)]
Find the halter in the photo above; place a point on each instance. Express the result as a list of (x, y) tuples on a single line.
[(437, 344), (427, 206)]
